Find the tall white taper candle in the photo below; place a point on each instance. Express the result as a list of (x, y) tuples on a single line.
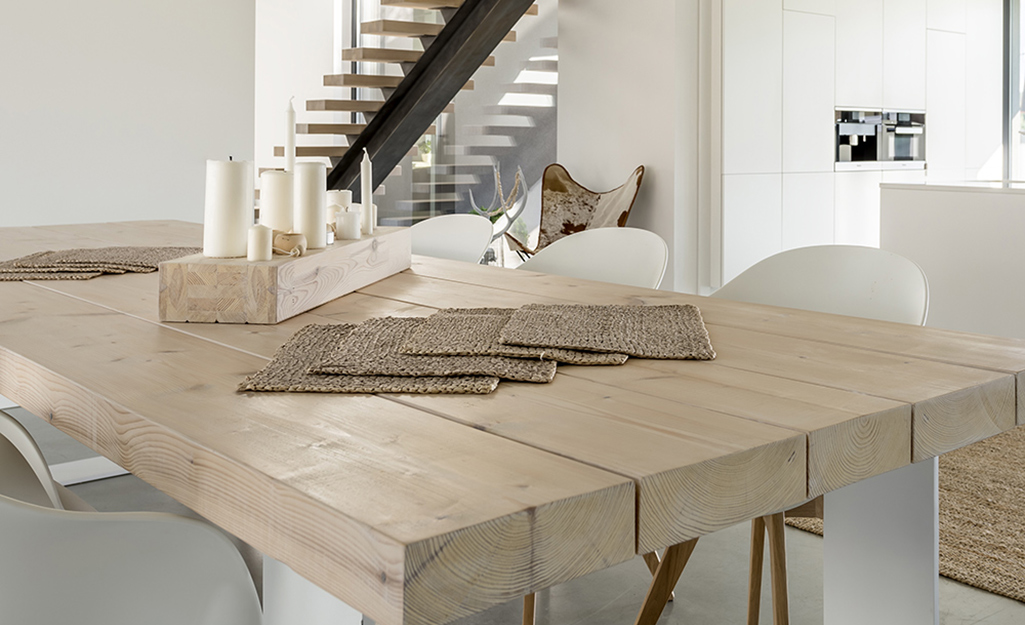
[(276, 196), (228, 210), (290, 136), (310, 199), (366, 174)]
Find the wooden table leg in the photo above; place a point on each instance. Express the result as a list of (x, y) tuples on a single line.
[(528, 609), (754, 588), (778, 567), (666, 576), (652, 560)]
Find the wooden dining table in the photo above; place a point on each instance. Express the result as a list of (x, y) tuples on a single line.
[(421, 509)]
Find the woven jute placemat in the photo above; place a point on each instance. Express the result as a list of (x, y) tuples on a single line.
[(129, 258), (475, 332), (664, 332), (288, 371), (982, 515), (7, 276), (374, 347)]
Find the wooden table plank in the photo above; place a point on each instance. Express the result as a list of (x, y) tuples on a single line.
[(377, 502)]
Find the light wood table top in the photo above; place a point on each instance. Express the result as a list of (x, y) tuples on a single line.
[(426, 508)]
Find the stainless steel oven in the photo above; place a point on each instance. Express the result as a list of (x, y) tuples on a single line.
[(903, 137), (879, 139)]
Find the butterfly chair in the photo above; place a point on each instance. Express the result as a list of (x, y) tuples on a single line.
[(840, 279), (63, 566), (567, 207), (455, 237), (629, 256)]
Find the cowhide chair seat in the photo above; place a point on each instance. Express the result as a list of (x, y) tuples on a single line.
[(568, 207)]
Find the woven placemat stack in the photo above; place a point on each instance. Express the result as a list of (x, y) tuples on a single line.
[(469, 350), (86, 263)]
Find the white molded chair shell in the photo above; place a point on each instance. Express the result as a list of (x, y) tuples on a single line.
[(629, 256), (841, 279), (455, 237), (92, 568), (24, 474)]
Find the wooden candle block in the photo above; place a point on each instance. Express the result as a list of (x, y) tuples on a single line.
[(232, 290)]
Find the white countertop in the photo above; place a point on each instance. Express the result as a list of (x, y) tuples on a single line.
[(973, 186)]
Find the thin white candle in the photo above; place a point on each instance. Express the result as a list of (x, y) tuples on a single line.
[(276, 197), (290, 136), (259, 243), (228, 210), (309, 209), (366, 173)]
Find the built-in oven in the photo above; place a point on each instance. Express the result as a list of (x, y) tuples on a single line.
[(879, 139)]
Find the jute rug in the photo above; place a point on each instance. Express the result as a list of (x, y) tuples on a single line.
[(982, 515)]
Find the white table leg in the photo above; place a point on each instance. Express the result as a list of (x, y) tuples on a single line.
[(289, 598), (881, 552)]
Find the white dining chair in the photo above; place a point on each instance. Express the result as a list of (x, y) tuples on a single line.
[(89, 568), (840, 279), (455, 237), (628, 256)]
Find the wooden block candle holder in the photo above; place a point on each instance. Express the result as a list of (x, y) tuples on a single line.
[(233, 290)]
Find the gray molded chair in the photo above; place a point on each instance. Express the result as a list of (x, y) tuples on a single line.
[(90, 568), (840, 279), (455, 237), (629, 256)]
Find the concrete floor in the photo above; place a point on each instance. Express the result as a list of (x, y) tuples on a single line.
[(712, 589)]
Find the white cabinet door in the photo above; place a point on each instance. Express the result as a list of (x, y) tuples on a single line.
[(807, 210), (751, 220), (822, 7), (857, 208), (904, 49), (808, 68), (948, 15), (984, 55), (859, 54), (752, 86), (945, 125)]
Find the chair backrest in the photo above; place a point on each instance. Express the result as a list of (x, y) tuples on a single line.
[(841, 279), (93, 568), (456, 237), (24, 474), (628, 256), (567, 207)]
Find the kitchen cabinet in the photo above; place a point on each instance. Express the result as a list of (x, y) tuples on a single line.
[(904, 54), (859, 54), (856, 208), (752, 86), (808, 92), (984, 88), (807, 216), (948, 15), (945, 128), (822, 7), (751, 214)]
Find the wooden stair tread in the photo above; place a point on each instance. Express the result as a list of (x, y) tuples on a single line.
[(348, 130), (354, 106), (400, 28), (371, 81), (391, 55), (314, 150), (438, 4)]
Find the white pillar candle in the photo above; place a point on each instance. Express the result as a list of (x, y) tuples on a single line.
[(228, 210), (337, 199), (290, 136), (260, 239), (366, 180), (276, 191), (308, 211), (347, 224)]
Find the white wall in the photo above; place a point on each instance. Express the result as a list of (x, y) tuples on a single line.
[(110, 108), (628, 95)]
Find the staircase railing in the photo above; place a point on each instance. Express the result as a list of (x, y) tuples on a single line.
[(470, 34)]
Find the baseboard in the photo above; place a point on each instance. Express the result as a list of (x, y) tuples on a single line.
[(86, 470)]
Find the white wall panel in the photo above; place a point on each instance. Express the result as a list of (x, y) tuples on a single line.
[(857, 208), (983, 115), (752, 207), (807, 210), (859, 54), (904, 50), (752, 86), (822, 7), (945, 140), (949, 15), (808, 67)]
